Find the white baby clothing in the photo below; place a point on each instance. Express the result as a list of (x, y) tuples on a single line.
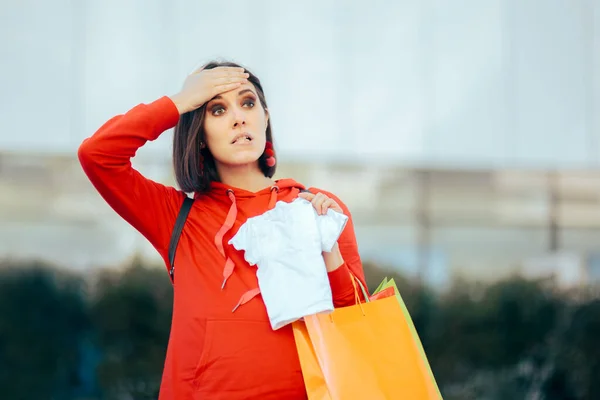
[(285, 243)]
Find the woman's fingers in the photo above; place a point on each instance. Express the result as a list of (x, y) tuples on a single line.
[(327, 204), (204, 84), (226, 80), (227, 72), (306, 195), (321, 202), (219, 70), (226, 88), (318, 201)]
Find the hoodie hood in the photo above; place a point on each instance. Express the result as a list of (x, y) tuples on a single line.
[(251, 204), (219, 191)]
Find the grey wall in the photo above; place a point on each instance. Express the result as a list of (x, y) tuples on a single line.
[(460, 83)]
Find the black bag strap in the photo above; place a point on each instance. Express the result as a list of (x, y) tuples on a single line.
[(179, 223)]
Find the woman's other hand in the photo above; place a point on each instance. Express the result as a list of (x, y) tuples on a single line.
[(321, 202), (333, 259)]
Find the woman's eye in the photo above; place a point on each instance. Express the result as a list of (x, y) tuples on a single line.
[(249, 103), (217, 110)]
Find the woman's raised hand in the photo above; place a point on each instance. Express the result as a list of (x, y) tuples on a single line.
[(202, 85)]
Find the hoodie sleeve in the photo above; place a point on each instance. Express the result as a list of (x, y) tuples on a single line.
[(342, 287), (105, 157)]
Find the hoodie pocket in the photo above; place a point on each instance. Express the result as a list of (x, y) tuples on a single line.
[(248, 358), (202, 360)]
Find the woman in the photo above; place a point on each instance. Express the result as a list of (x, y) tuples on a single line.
[(223, 153)]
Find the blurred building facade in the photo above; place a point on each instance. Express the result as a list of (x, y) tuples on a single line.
[(432, 224)]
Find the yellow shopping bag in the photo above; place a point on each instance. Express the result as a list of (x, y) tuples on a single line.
[(364, 351)]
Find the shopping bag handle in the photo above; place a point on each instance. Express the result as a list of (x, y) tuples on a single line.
[(362, 288)]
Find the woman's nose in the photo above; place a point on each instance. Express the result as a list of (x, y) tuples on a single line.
[(238, 117)]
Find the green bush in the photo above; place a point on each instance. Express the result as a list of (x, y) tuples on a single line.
[(43, 322), (105, 337)]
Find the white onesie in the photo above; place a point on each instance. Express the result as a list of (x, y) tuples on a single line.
[(286, 244)]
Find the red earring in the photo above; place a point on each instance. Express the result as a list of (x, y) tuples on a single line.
[(270, 154)]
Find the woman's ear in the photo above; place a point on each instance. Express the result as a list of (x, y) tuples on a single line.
[(266, 116)]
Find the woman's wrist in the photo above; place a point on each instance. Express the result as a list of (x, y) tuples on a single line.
[(333, 259), (179, 103)]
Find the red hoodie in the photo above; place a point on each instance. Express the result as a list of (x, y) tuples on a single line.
[(213, 352)]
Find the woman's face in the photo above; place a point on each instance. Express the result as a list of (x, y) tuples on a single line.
[(235, 125)]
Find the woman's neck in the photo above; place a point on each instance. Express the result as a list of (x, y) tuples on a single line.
[(247, 178)]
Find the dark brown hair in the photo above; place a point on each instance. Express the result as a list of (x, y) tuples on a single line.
[(189, 134)]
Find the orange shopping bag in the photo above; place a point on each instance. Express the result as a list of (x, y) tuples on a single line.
[(365, 351)]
